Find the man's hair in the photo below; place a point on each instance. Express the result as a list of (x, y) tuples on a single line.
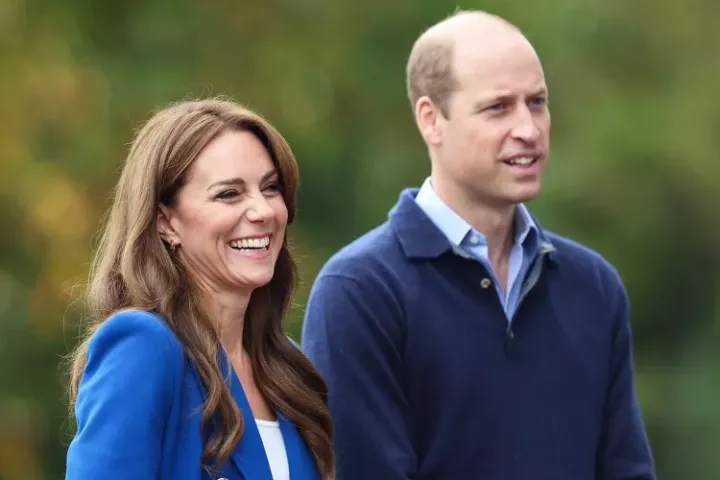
[(430, 68), (430, 72)]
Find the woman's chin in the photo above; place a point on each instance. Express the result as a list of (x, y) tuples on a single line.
[(253, 281), (250, 274)]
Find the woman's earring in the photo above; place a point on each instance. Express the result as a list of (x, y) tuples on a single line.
[(172, 245)]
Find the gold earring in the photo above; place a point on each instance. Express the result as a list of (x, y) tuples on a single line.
[(172, 245)]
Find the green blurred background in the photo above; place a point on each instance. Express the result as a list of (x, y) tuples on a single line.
[(634, 168)]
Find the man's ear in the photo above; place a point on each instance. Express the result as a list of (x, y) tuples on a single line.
[(164, 226), (428, 117)]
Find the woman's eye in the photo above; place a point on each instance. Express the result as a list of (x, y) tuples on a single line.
[(226, 195), (274, 187)]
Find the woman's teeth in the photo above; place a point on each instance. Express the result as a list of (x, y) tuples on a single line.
[(251, 243)]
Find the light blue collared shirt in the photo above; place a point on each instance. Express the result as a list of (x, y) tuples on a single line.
[(461, 235)]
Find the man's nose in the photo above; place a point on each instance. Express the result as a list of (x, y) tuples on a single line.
[(526, 128)]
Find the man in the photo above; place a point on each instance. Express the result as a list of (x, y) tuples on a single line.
[(460, 340)]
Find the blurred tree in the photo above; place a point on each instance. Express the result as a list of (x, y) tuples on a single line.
[(633, 171)]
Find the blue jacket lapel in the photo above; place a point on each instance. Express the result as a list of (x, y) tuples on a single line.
[(249, 456), (300, 460)]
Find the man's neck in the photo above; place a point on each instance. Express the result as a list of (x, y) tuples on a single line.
[(495, 222)]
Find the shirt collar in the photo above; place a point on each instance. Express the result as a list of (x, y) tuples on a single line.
[(456, 229), (444, 218), (419, 237)]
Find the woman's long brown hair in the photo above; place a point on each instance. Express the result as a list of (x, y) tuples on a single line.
[(133, 268)]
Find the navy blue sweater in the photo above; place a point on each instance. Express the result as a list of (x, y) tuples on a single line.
[(428, 380)]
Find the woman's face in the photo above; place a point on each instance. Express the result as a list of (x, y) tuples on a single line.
[(228, 220)]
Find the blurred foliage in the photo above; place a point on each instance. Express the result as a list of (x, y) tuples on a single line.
[(633, 174)]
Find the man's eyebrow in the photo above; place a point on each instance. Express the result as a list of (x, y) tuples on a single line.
[(542, 91), (503, 97), (492, 100)]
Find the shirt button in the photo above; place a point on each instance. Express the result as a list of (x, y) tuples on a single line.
[(474, 240), (485, 282)]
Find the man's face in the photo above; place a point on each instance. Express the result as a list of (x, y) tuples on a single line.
[(494, 144)]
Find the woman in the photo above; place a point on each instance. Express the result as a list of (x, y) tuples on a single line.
[(185, 372)]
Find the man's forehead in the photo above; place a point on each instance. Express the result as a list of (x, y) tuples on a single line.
[(477, 55), (490, 44)]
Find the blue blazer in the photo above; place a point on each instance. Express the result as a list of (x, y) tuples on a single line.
[(138, 412)]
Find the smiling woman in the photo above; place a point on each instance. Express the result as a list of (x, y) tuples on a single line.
[(185, 371), (232, 194)]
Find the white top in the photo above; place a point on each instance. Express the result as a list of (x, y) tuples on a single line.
[(274, 448)]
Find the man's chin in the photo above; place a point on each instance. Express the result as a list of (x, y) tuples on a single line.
[(525, 194)]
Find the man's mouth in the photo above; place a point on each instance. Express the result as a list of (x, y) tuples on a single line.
[(521, 161), (256, 244)]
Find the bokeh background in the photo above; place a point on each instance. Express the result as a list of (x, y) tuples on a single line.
[(634, 168)]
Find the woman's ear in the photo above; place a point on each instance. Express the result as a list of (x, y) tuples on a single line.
[(164, 226)]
